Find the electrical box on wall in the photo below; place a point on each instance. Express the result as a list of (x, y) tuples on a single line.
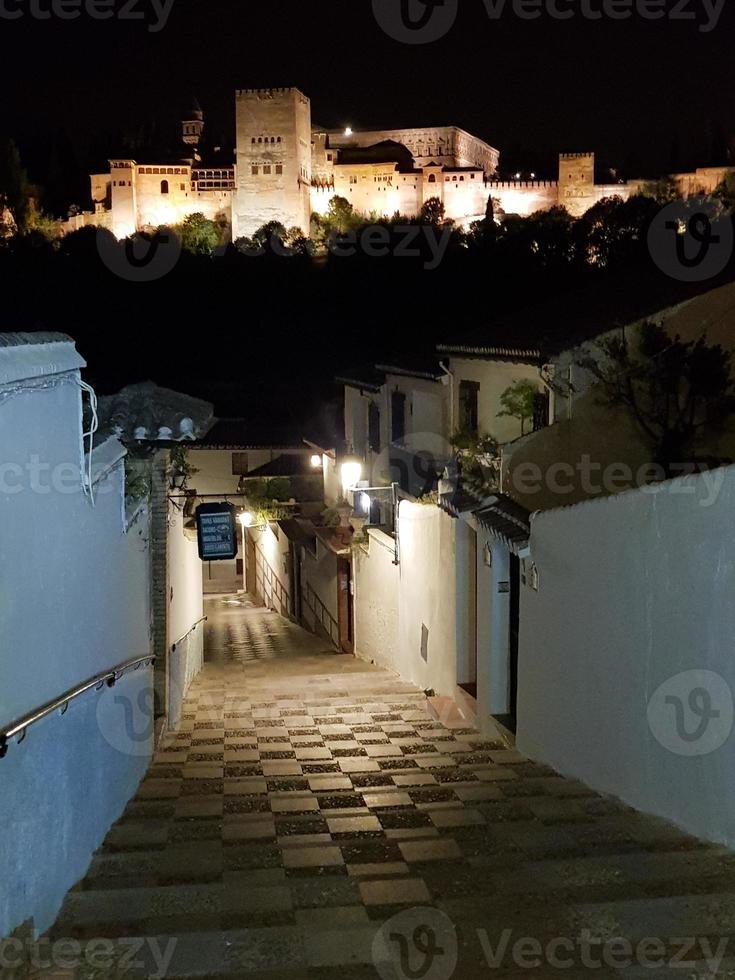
[(216, 532)]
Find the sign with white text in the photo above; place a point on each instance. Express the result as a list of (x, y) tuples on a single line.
[(216, 532)]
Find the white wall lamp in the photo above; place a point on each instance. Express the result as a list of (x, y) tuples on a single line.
[(351, 472)]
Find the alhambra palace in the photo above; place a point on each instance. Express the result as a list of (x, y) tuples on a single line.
[(286, 168)]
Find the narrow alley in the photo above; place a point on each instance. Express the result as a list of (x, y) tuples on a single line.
[(308, 798)]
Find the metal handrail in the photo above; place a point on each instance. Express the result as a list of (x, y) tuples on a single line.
[(319, 610), (109, 677), (188, 633), (268, 577)]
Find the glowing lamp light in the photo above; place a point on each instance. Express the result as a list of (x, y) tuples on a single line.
[(348, 131), (246, 519), (316, 461), (351, 473)]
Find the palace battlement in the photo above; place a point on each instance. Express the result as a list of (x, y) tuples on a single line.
[(575, 156), (268, 93), (520, 185)]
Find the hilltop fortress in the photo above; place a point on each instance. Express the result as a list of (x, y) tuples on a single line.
[(286, 168)]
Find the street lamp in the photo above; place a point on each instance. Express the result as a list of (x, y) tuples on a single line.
[(316, 461), (351, 470)]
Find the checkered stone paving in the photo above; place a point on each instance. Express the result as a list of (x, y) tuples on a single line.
[(307, 798)]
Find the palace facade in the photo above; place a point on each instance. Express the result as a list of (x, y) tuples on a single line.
[(286, 168)]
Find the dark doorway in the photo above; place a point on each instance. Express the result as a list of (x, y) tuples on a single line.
[(467, 679), (514, 626), (344, 594)]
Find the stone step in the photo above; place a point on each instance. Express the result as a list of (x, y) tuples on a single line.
[(260, 953)]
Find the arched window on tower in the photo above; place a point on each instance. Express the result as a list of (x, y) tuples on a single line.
[(432, 178), (164, 187)]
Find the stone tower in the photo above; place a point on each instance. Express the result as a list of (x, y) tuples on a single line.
[(273, 169), (577, 182), (192, 128)]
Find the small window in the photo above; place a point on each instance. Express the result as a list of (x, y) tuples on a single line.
[(398, 416), (432, 178), (164, 187), (374, 427), (266, 169), (239, 464), (279, 168), (469, 397), (255, 171)]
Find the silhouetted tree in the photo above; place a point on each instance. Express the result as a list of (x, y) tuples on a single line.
[(677, 391), (15, 188), (432, 212)]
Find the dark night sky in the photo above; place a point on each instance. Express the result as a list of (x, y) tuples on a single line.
[(628, 90)]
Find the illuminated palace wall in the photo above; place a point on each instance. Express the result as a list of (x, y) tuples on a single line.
[(285, 169)]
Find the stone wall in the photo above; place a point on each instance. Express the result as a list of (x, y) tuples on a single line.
[(273, 159)]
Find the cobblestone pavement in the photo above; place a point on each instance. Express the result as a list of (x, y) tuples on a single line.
[(309, 798)]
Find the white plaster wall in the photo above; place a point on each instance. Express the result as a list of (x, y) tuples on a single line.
[(634, 589), (494, 377), (376, 603), (186, 607), (214, 474), (74, 601), (427, 598)]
